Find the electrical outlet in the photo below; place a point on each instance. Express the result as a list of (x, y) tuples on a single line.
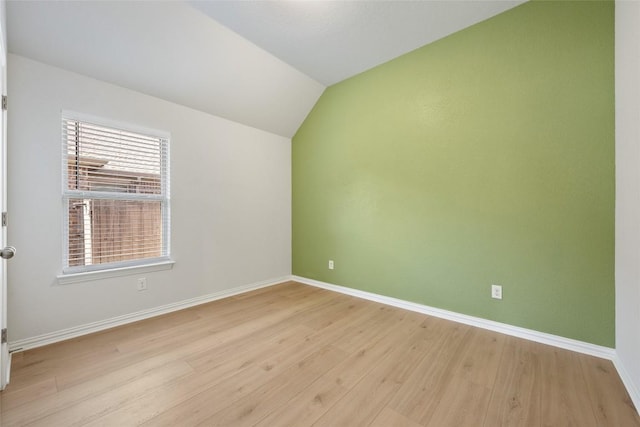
[(496, 291), (330, 264), (142, 284)]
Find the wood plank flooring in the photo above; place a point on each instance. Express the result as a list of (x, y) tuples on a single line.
[(294, 355)]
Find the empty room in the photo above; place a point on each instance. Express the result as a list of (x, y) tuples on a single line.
[(320, 213)]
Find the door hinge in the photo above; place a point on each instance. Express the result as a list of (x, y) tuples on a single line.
[(4, 102), (4, 219), (3, 336)]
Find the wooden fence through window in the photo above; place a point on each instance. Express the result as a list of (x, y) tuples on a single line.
[(111, 230)]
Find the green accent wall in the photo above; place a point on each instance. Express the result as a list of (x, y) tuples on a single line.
[(484, 157)]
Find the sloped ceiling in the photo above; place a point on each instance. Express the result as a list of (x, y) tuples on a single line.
[(260, 63), (333, 40), (168, 50)]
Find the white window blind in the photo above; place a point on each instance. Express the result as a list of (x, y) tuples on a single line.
[(115, 193)]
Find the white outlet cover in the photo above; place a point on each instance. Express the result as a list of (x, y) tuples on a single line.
[(496, 291)]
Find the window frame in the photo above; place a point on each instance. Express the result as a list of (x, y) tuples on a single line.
[(72, 274)]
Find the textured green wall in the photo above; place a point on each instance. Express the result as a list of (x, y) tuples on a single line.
[(485, 157)]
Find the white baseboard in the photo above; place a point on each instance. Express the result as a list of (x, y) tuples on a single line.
[(633, 391), (76, 331), (541, 337)]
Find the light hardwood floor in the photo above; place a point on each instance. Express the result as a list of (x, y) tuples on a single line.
[(293, 355)]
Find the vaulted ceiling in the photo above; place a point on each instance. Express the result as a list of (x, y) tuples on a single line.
[(334, 40), (260, 63)]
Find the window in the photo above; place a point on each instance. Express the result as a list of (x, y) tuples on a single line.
[(115, 193)]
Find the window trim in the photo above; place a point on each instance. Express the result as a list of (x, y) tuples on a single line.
[(85, 276), (98, 271)]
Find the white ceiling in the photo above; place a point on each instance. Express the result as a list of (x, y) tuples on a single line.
[(334, 40), (260, 63), (168, 50)]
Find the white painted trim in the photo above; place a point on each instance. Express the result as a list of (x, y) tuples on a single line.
[(8, 373), (65, 279), (541, 337), (76, 331), (113, 123), (633, 391)]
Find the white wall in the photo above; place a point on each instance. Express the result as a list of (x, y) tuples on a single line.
[(230, 195), (628, 193)]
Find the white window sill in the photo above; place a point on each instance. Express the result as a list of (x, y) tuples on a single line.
[(65, 279)]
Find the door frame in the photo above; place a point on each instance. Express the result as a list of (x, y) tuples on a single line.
[(5, 357)]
